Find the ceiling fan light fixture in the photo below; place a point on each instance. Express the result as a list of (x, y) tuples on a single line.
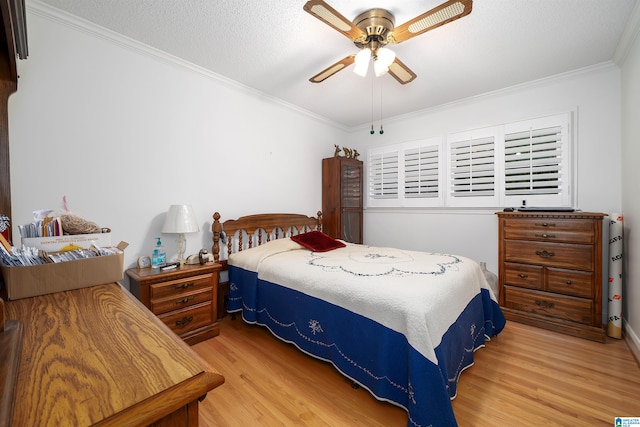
[(384, 58), (362, 62)]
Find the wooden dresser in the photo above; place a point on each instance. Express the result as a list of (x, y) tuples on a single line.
[(550, 271), (185, 298), (97, 356)]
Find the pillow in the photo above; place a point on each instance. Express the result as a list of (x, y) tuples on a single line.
[(317, 241)]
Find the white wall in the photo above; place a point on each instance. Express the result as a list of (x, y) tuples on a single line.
[(631, 188), (124, 132), (594, 94)]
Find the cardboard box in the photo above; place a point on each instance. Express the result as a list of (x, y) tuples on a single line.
[(67, 242), (29, 281)]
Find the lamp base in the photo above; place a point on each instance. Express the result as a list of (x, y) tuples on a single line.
[(182, 246)]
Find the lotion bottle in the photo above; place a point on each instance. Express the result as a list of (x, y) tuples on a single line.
[(159, 256)]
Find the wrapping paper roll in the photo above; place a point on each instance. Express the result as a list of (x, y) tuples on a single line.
[(616, 229)]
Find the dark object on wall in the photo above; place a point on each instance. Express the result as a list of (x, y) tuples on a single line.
[(13, 42)]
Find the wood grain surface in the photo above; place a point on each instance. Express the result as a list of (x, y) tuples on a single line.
[(526, 376), (96, 355)]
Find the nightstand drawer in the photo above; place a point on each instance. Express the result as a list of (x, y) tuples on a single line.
[(182, 300), (547, 304), (187, 319), (569, 282), (524, 276), (178, 287), (579, 257), (549, 229)]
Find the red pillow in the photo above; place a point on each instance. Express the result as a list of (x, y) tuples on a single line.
[(317, 241)]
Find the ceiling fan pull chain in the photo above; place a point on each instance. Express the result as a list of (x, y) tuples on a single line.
[(372, 131), (381, 130)]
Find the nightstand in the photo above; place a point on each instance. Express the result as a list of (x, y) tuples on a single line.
[(185, 298)]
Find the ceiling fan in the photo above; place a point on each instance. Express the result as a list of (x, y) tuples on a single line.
[(372, 30)]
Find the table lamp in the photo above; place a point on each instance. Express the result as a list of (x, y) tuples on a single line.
[(180, 219)]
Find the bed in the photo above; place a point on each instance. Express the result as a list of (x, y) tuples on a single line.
[(402, 324)]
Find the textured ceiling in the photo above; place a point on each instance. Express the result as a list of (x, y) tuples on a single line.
[(275, 47)]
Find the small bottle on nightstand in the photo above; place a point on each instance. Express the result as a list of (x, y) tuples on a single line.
[(159, 256)]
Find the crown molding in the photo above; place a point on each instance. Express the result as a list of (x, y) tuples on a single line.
[(76, 23)]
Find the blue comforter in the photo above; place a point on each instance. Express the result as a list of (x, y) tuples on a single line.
[(402, 324)]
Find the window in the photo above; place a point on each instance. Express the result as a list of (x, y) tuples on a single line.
[(407, 174), (383, 176), (536, 162), (472, 176), (489, 167)]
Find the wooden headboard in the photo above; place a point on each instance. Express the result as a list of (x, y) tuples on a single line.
[(254, 230)]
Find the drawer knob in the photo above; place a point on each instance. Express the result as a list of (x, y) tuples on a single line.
[(184, 321), (545, 224), (522, 276), (184, 300), (184, 285), (546, 236), (544, 304), (545, 254), (569, 282)]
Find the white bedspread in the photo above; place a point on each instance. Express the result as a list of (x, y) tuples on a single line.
[(414, 293)]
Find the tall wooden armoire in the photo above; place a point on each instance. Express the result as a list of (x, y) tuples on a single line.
[(342, 198)]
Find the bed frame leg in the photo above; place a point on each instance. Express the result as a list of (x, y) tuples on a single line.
[(233, 316), (355, 385)]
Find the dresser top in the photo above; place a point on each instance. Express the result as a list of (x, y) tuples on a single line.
[(98, 355), (552, 214)]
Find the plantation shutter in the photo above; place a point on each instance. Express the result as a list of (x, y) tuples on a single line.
[(472, 167), (383, 175), (532, 161), (422, 172), (536, 165)]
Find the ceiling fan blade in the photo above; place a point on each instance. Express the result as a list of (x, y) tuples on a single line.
[(331, 70), (333, 18), (401, 72), (440, 15)]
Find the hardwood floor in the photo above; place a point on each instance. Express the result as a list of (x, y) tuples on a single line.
[(524, 377)]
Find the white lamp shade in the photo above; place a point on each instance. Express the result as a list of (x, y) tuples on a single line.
[(384, 58), (362, 62), (180, 219)]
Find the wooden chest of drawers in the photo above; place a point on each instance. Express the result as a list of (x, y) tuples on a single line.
[(550, 271), (185, 299)]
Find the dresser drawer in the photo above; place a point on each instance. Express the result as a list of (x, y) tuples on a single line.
[(550, 230), (524, 276), (579, 257), (181, 300), (552, 305), (188, 319), (178, 287), (569, 282)]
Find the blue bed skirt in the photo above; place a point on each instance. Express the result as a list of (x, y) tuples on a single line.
[(374, 356)]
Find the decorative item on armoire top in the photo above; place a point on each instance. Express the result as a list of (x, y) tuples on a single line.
[(350, 153), (180, 219)]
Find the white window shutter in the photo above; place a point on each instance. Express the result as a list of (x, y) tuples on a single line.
[(472, 168), (536, 166), (422, 177), (383, 178), (421, 172)]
